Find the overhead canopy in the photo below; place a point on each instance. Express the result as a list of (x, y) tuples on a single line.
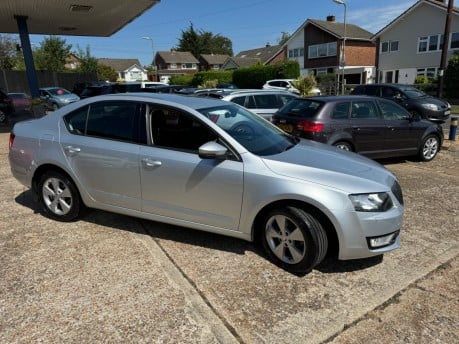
[(71, 17)]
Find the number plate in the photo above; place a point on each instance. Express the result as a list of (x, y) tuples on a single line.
[(286, 127)]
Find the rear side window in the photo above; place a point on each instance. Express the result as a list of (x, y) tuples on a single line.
[(112, 120), (305, 108), (267, 101), (285, 98), (341, 111), (239, 100), (364, 110)]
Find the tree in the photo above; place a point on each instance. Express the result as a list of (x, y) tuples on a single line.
[(9, 54), (51, 54), (204, 42), (105, 72), (285, 36), (88, 63), (452, 77)]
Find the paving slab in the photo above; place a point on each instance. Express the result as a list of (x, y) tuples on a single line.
[(114, 278)]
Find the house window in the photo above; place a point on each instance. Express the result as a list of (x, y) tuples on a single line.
[(322, 50), (297, 52), (389, 46), (454, 41), (173, 66), (188, 65), (430, 43), (215, 67), (428, 72)]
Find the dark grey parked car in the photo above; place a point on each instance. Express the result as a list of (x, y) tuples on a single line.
[(375, 127), (412, 99)]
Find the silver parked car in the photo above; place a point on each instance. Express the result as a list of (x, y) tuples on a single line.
[(209, 165), (263, 102)]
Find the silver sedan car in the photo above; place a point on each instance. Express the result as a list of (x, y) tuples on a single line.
[(209, 165)]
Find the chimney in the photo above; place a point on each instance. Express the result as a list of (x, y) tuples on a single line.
[(331, 18)]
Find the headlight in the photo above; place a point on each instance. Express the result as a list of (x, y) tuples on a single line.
[(430, 106), (371, 202)]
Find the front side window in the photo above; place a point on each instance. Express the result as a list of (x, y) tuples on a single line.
[(174, 128), (392, 111)]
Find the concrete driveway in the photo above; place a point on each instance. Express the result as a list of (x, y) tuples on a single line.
[(112, 278)]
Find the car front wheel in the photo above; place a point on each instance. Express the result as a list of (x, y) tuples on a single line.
[(294, 239), (430, 147), (59, 197)]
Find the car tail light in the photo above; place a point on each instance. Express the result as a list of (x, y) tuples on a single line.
[(311, 127), (10, 143)]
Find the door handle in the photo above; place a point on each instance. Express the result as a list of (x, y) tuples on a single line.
[(151, 163), (72, 150)]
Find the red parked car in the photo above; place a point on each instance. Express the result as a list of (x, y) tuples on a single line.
[(21, 102)]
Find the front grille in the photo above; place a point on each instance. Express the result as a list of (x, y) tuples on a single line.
[(397, 191)]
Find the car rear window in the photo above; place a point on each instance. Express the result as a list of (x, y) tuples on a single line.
[(305, 108)]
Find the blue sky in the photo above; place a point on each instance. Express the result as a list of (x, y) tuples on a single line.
[(249, 24)]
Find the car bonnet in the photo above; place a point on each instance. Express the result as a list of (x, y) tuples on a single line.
[(327, 165)]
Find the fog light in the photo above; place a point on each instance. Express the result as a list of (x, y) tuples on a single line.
[(381, 241)]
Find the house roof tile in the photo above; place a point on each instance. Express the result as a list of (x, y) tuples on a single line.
[(262, 54), (214, 58), (177, 57), (337, 29), (120, 65)]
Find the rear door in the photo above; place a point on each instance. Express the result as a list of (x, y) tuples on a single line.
[(101, 145)]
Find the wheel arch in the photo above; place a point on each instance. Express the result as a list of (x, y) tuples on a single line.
[(333, 242), (41, 170)]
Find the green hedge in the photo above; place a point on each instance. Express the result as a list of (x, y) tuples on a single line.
[(222, 77), (255, 76)]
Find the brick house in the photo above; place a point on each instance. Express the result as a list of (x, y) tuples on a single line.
[(316, 45), (212, 61), (169, 63)]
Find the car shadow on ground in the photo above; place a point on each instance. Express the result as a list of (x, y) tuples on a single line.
[(160, 231)]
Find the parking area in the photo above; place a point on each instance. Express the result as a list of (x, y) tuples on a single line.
[(114, 278)]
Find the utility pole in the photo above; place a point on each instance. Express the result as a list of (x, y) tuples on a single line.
[(444, 51)]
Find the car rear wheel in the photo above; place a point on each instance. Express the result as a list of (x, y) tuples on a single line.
[(2, 117), (59, 197), (430, 147), (343, 145), (294, 239)]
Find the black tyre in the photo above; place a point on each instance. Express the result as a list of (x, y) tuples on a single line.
[(429, 148), (343, 145), (59, 197), (55, 107), (294, 239), (3, 117)]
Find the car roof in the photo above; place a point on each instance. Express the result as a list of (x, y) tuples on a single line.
[(340, 98), (191, 102)]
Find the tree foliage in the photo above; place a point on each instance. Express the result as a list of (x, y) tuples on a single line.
[(204, 42), (285, 36), (452, 77), (51, 54), (88, 63), (9, 55), (106, 73)]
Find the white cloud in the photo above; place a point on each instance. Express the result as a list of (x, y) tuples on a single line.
[(374, 19)]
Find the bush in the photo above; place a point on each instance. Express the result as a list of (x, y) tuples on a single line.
[(421, 79), (305, 84), (256, 75), (186, 79), (201, 78)]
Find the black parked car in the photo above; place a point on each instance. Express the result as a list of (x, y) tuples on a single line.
[(6, 107), (372, 126), (412, 99)]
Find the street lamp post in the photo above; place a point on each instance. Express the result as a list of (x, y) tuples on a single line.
[(343, 46), (152, 53)]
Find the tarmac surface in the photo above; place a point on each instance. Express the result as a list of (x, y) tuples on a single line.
[(113, 278)]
